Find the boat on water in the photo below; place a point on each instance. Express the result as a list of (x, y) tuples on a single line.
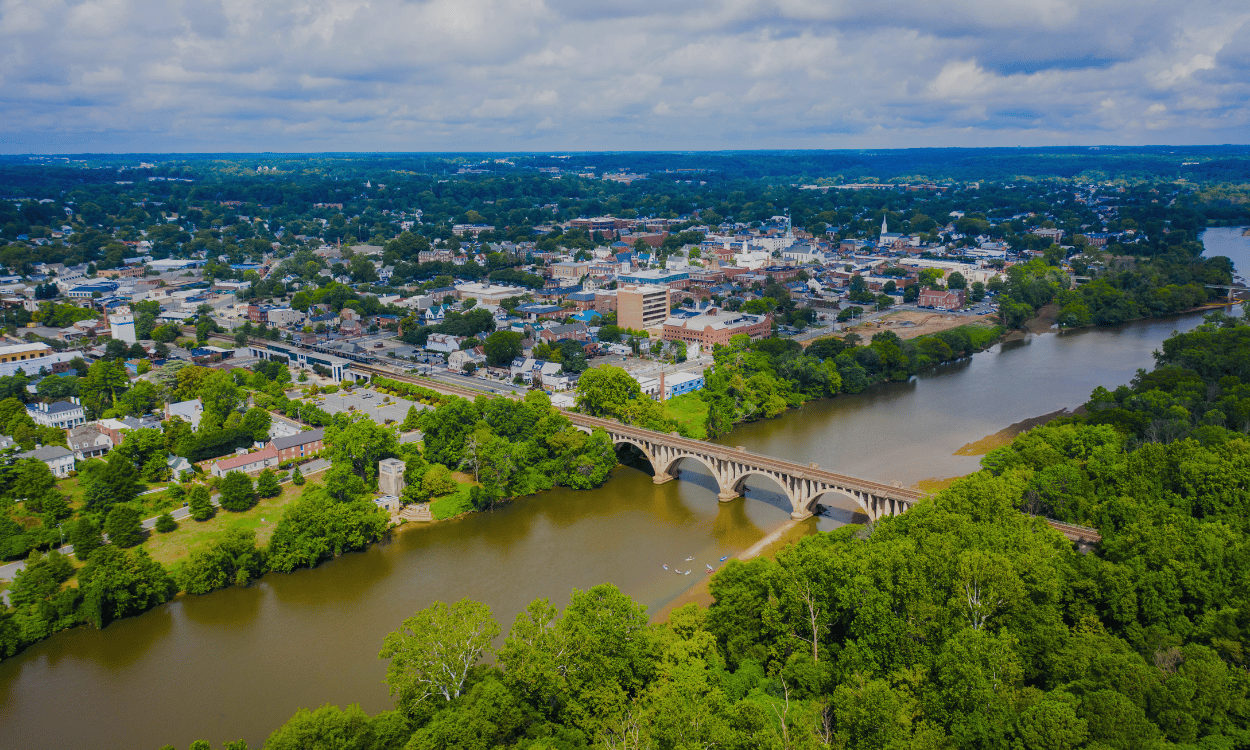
[(688, 559), (723, 559), (666, 567), (709, 567)]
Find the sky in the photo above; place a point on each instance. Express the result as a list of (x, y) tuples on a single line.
[(126, 76)]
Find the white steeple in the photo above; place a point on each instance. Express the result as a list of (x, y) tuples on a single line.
[(885, 229)]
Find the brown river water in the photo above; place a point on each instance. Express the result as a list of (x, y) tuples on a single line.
[(237, 663)]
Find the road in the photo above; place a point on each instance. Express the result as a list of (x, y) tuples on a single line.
[(7, 572)]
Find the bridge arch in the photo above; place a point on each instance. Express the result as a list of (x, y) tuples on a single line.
[(670, 462), (738, 485), (618, 441), (832, 492)]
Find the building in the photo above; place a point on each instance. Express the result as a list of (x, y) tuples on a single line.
[(285, 316), (300, 445), (487, 294), (569, 271), (19, 353), (717, 326), (657, 277), (60, 460), (60, 414), (391, 477), (122, 327), (443, 342), (941, 299), (248, 463), (676, 384), (188, 411), (641, 307), (89, 441)]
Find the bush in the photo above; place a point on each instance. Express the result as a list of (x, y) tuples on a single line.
[(166, 523), (297, 477)]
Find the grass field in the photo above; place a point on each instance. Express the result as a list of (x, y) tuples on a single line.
[(689, 411), (450, 506), (172, 548)]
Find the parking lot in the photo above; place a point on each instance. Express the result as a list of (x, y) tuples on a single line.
[(378, 407)]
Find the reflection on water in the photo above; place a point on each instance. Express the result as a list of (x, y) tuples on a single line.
[(239, 662)]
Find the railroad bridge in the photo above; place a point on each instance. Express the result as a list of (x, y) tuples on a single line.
[(802, 484)]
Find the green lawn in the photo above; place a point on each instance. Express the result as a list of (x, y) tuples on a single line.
[(452, 505), (689, 411), (172, 548)]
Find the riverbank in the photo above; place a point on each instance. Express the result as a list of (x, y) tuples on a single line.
[(777, 540)]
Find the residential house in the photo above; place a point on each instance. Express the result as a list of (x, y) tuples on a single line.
[(190, 411), (941, 299), (60, 414), (60, 460), (89, 441)]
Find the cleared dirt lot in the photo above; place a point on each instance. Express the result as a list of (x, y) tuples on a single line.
[(909, 324)]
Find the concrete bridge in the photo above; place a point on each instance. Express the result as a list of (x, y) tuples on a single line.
[(802, 484)]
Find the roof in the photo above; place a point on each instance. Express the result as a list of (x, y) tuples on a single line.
[(47, 453), (228, 464), (299, 438), (56, 407)]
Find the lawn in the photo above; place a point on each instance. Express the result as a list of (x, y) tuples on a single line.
[(689, 411), (172, 548), (452, 505)]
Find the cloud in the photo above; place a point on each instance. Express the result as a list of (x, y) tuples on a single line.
[(169, 75)]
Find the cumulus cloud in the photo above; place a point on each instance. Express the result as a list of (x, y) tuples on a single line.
[(170, 75)]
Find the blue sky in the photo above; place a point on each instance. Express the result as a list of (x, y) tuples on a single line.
[(477, 75)]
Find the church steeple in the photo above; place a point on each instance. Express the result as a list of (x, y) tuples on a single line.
[(885, 229)]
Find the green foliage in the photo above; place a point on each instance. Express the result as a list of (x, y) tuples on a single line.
[(165, 523), (611, 392), (232, 559), (199, 502), (297, 477), (267, 484), (433, 654), (317, 527), (237, 492), (123, 526), (116, 583)]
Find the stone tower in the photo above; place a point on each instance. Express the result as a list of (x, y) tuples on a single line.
[(391, 477)]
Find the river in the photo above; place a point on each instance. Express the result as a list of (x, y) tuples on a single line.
[(237, 663)]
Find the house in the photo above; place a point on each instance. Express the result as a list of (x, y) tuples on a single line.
[(457, 360), (190, 411), (177, 465), (60, 460), (248, 463), (299, 445), (941, 299), (443, 342), (89, 441), (60, 414), (350, 322)]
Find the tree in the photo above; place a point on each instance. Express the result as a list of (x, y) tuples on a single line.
[(104, 382), (199, 502), (165, 523), (237, 493), (502, 347), (297, 477), (604, 391), (432, 655), (123, 526), (267, 484), (116, 583), (85, 536), (956, 280), (360, 445), (412, 421), (219, 395)]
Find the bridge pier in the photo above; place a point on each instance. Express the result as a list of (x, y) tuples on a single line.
[(662, 478), (728, 496)]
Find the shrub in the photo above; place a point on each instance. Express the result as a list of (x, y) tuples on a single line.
[(237, 492)]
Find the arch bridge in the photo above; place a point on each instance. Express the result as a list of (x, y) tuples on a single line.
[(802, 484)]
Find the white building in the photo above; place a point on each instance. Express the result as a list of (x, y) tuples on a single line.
[(60, 460), (122, 328), (60, 414), (190, 411)]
